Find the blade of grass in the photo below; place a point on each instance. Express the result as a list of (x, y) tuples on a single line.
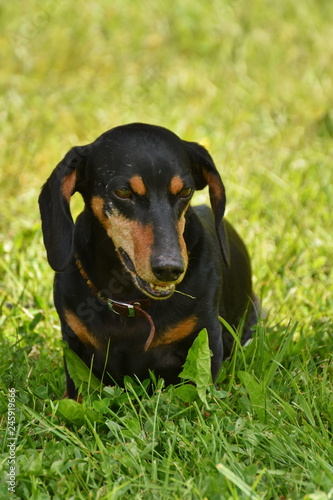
[(237, 481)]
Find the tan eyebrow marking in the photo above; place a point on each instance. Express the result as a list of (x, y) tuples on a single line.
[(137, 185), (176, 185)]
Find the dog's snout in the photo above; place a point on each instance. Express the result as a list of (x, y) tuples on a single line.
[(167, 270)]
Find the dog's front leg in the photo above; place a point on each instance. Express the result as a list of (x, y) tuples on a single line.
[(216, 346)]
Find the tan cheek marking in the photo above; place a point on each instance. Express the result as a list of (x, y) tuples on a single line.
[(178, 332), (137, 185), (68, 185), (80, 329), (181, 228), (97, 205), (176, 185), (143, 238), (135, 239), (182, 243), (132, 236)]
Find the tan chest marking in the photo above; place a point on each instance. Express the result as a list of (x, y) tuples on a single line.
[(80, 329), (177, 332)]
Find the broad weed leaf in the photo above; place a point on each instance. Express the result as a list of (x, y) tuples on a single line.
[(75, 412), (79, 371), (197, 367)]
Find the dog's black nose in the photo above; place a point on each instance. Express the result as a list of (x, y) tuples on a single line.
[(167, 270)]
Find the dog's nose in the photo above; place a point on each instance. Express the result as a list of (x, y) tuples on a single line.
[(167, 270)]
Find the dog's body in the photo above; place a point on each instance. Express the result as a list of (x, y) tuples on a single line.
[(142, 272)]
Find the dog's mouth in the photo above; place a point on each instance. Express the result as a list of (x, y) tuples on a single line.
[(152, 290), (155, 291)]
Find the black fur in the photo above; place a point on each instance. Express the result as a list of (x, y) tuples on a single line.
[(217, 280)]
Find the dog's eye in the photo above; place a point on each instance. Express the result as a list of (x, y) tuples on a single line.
[(186, 192), (124, 194)]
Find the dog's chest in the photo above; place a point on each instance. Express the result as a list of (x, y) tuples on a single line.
[(123, 360)]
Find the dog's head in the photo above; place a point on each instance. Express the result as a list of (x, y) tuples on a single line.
[(137, 180)]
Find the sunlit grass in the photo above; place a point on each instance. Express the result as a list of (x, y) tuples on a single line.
[(253, 83)]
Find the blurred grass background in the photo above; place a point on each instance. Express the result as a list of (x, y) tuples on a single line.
[(250, 80), (253, 82)]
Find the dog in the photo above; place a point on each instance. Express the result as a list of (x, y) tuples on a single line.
[(142, 272)]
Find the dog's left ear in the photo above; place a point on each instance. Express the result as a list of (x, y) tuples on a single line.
[(205, 173)]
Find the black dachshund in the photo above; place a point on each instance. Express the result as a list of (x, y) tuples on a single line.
[(142, 272)]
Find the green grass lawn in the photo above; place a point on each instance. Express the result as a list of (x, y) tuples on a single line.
[(253, 82)]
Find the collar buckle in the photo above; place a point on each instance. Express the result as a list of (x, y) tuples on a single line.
[(120, 307)]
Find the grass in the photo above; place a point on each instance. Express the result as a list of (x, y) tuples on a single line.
[(253, 82)]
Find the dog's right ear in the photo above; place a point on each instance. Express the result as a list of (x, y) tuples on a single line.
[(205, 173), (57, 221)]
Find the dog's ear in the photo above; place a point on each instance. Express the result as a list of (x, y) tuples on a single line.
[(57, 221), (205, 173)]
